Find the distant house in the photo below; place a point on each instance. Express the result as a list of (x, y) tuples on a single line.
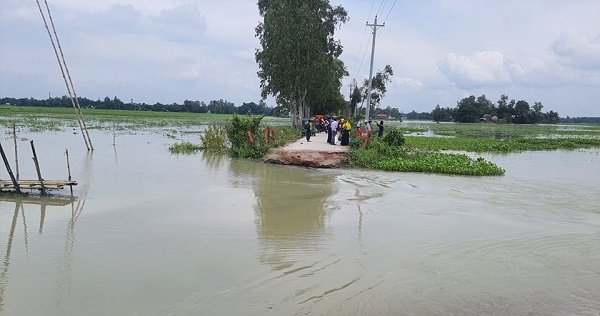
[(488, 118), (382, 116)]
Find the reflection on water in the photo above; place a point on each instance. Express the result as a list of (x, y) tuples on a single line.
[(41, 204), (291, 209), (291, 212), (31, 202)]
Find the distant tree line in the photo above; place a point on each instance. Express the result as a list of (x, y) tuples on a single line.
[(472, 109), (584, 119), (214, 106), (423, 116)]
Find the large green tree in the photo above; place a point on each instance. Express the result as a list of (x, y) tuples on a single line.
[(298, 59)]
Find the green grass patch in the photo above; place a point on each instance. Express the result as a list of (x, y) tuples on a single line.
[(497, 145), (184, 148), (381, 156), (500, 131)]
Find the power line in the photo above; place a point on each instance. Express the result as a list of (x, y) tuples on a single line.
[(375, 26), (371, 10), (357, 69), (391, 9), (381, 6)]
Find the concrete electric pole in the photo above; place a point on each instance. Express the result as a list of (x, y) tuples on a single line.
[(374, 26), (350, 109)]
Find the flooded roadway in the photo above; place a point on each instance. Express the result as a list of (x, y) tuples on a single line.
[(152, 234)]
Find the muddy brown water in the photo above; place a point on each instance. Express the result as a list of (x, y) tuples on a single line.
[(151, 233)]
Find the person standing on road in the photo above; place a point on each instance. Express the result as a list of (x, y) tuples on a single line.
[(308, 130), (346, 127), (334, 128), (328, 129)]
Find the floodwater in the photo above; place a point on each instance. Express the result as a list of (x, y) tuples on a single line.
[(150, 233)]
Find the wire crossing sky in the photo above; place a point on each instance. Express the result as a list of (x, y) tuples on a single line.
[(441, 50)]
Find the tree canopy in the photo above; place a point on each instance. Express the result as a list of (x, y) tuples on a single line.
[(298, 59), (215, 106), (378, 90), (471, 109)]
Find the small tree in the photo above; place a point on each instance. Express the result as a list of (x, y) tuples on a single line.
[(378, 87)]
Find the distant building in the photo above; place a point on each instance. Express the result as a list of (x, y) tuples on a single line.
[(488, 118)]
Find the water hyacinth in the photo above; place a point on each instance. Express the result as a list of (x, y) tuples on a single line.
[(381, 156)]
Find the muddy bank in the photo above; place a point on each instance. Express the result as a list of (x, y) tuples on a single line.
[(308, 158), (317, 153)]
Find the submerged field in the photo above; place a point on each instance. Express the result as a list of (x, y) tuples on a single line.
[(419, 134), (56, 119), (429, 147)]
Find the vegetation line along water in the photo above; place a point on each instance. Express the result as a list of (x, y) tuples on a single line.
[(397, 151)]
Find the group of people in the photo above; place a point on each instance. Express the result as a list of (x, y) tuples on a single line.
[(368, 128), (340, 129)]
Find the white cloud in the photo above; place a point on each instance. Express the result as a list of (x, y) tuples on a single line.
[(409, 83), (484, 68), (171, 50), (578, 50)]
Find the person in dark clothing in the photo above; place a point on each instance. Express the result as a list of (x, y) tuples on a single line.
[(308, 130), (328, 129), (380, 131), (346, 127)]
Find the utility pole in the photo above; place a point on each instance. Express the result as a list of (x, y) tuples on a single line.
[(350, 109), (374, 26)]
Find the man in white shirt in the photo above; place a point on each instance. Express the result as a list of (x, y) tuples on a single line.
[(334, 127)]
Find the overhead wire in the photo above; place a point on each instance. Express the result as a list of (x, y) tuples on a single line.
[(390, 12), (381, 6), (360, 51)]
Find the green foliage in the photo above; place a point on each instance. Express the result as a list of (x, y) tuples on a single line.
[(298, 59), (394, 137), (240, 146), (378, 86), (381, 156), (215, 106), (215, 139), (237, 129), (184, 148), (498, 145), (442, 114), (471, 109)]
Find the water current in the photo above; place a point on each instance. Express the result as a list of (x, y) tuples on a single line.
[(150, 233)]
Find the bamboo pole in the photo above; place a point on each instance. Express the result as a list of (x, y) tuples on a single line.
[(78, 107), (10, 173), (37, 168), (69, 169), (68, 164), (16, 153), (70, 89)]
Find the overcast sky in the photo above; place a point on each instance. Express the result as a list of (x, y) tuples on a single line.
[(441, 50)]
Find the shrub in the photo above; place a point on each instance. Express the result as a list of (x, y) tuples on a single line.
[(394, 137), (237, 130), (215, 139)]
